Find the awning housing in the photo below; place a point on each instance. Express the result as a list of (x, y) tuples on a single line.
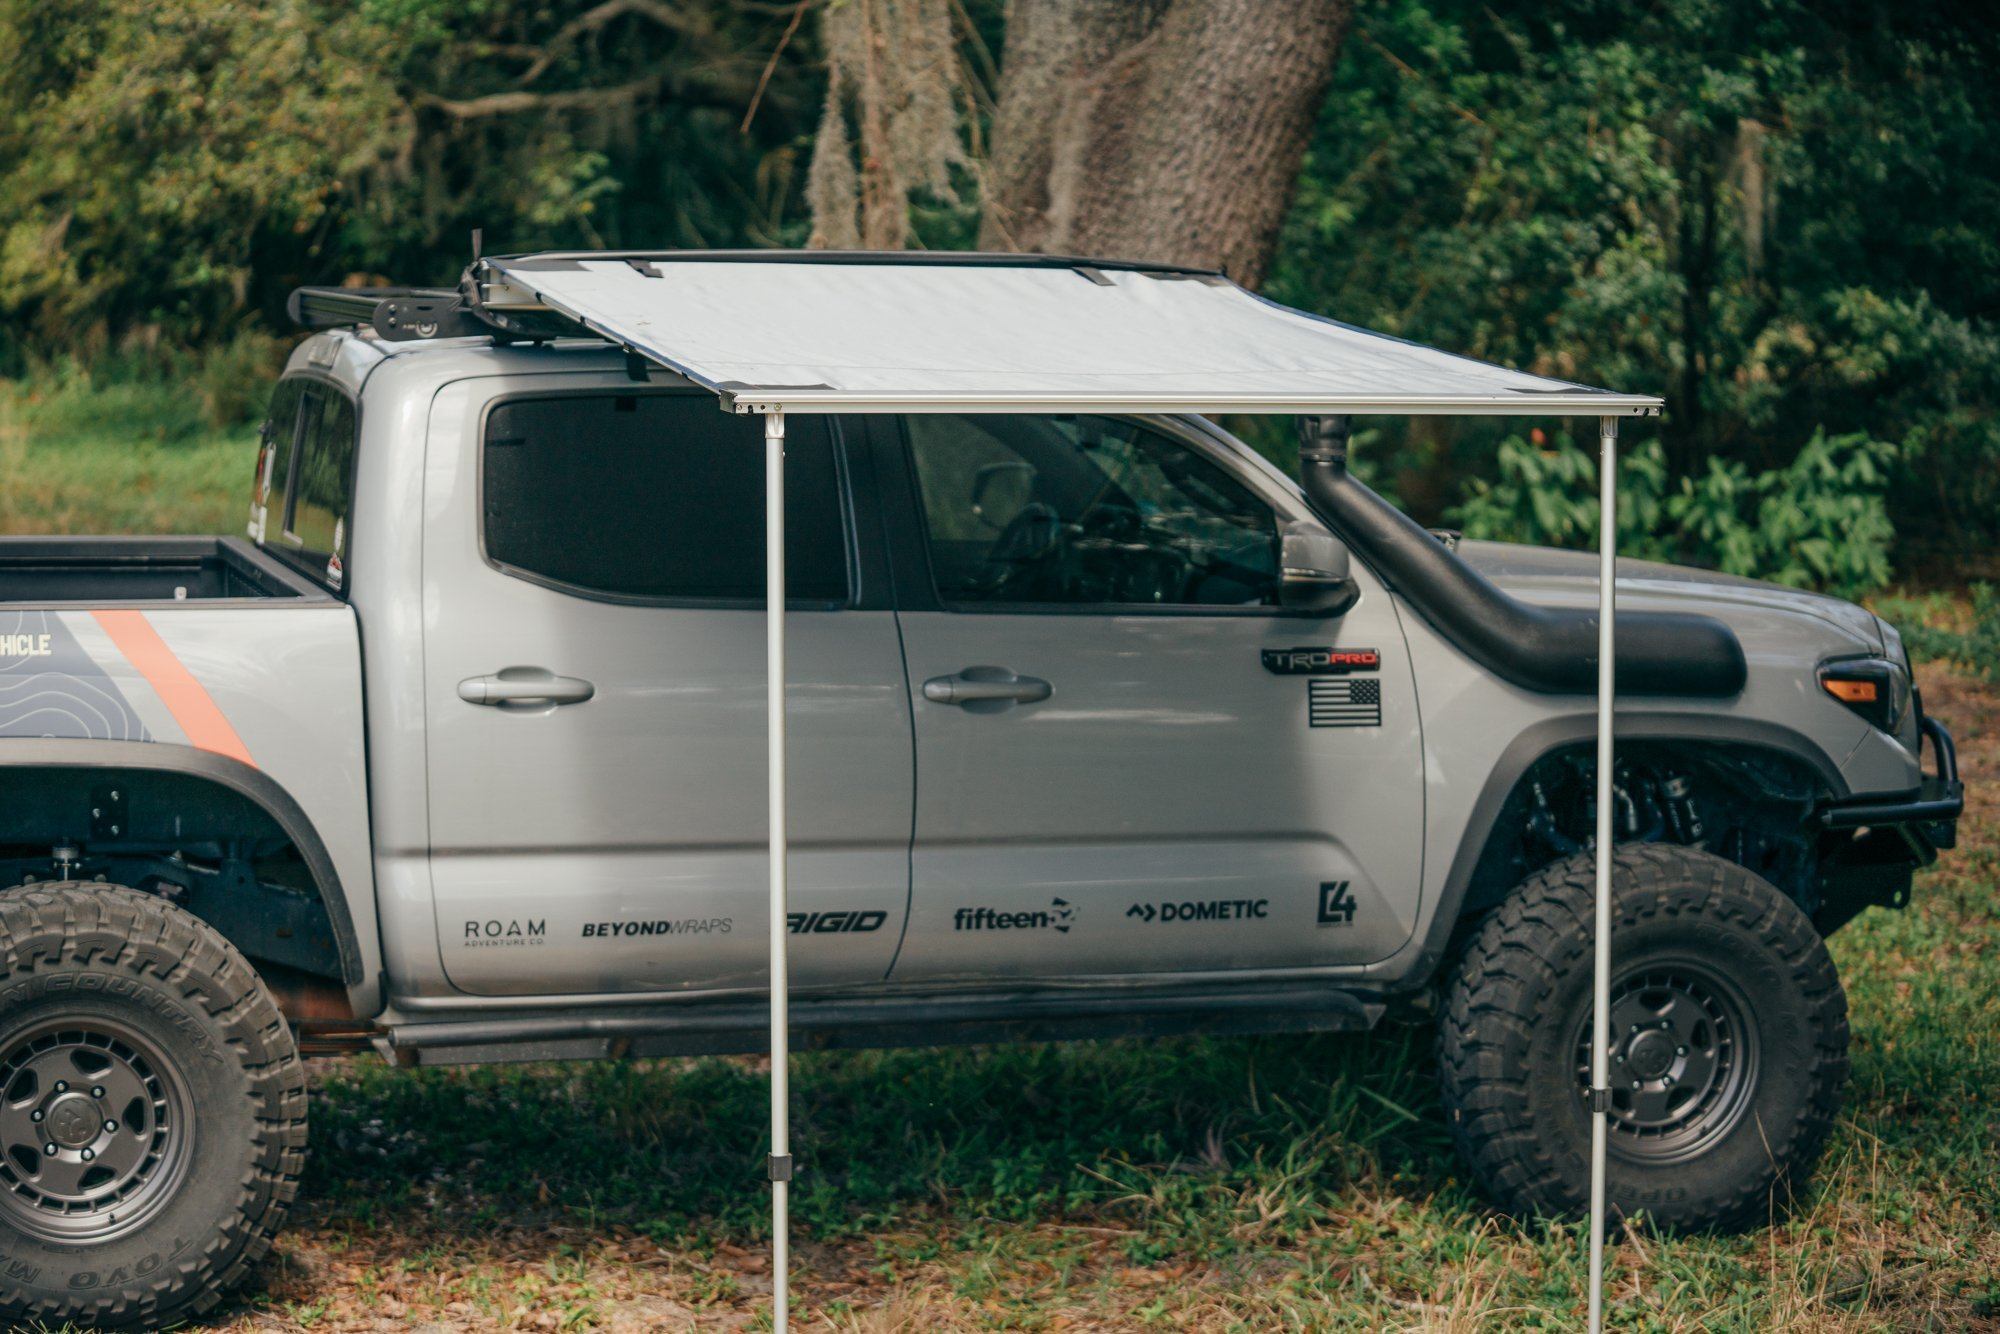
[(832, 331)]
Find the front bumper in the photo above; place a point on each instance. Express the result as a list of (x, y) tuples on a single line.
[(1927, 819)]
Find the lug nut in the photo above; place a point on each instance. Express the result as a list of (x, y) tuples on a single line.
[(110, 1127), (36, 1117), (98, 1093), (1680, 1051), (1636, 1083), (50, 1150), (88, 1154), (62, 1086)]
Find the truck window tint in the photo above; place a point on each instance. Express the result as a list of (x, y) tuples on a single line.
[(657, 496), (280, 436), (323, 485), (1083, 509)]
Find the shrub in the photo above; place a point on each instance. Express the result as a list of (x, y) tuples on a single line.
[(1818, 522), (1936, 628)]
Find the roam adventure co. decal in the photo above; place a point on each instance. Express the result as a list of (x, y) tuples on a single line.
[(512, 933)]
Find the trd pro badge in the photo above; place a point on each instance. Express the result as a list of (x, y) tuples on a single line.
[(1320, 660)]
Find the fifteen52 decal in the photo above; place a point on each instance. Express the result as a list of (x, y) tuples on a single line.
[(1059, 916)]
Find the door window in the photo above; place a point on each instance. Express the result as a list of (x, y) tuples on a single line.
[(1082, 509), (656, 497)]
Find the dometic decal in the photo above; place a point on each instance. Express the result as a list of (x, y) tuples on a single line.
[(1060, 915), (1336, 903), (1308, 660), (834, 923), (680, 926), (1206, 910), (514, 933)]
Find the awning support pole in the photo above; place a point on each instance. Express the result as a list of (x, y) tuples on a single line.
[(774, 716), (1600, 1007)]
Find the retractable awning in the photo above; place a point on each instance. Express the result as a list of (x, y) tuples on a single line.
[(836, 331), (825, 331)]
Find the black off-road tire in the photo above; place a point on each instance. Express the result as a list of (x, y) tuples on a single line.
[(122, 976), (1518, 1003)]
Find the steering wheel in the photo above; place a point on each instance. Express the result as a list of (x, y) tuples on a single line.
[(1029, 538)]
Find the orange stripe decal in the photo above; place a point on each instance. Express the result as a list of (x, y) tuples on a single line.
[(184, 696)]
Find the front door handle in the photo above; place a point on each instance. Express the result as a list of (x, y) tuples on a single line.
[(527, 687), (986, 685)]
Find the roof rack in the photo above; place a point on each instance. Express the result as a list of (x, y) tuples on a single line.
[(398, 314), (418, 314)]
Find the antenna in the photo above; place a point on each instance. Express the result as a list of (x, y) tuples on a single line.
[(478, 242)]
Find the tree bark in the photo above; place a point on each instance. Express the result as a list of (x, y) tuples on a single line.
[(1164, 130)]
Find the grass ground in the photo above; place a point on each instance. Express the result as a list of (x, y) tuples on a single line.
[(124, 458), (1197, 1185)]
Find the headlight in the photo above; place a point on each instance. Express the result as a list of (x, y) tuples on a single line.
[(1875, 688)]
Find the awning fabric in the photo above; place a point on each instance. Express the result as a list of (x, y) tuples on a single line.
[(826, 331)]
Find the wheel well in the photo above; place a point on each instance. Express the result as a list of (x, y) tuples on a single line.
[(244, 861), (1750, 804)]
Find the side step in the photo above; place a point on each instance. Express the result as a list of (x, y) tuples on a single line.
[(708, 1029)]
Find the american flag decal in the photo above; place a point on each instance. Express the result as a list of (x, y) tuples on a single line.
[(1344, 703)]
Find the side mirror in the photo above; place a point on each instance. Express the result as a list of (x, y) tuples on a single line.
[(1313, 567)]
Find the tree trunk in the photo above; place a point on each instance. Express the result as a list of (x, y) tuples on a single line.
[(1164, 130)]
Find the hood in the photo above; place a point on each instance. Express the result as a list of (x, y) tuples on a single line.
[(1522, 570)]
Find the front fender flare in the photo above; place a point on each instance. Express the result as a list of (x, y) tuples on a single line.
[(1412, 967)]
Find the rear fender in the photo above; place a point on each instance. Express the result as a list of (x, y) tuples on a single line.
[(32, 760)]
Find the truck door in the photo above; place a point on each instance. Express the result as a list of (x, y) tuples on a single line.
[(1129, 759), (594, 684)]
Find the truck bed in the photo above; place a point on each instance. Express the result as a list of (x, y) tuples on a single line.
[(129, 570)]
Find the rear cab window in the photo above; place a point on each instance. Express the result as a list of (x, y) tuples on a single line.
[(656, 499), (302, 498)]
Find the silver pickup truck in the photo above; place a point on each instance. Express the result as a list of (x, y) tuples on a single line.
[(1100, 727)]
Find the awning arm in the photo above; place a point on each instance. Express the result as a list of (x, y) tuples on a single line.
[(1600, 1005), (774, 717)]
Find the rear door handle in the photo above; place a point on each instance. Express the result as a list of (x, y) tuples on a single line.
[(526, 686), (986, 685)]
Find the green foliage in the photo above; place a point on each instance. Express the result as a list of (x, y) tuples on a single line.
[(1774, 214), (169, 173), (1819, 522), (1939, 628)]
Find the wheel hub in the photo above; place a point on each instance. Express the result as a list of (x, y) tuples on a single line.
[(73, 1120), (94, 1130), (1683, 1059), (1650, 1054)]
